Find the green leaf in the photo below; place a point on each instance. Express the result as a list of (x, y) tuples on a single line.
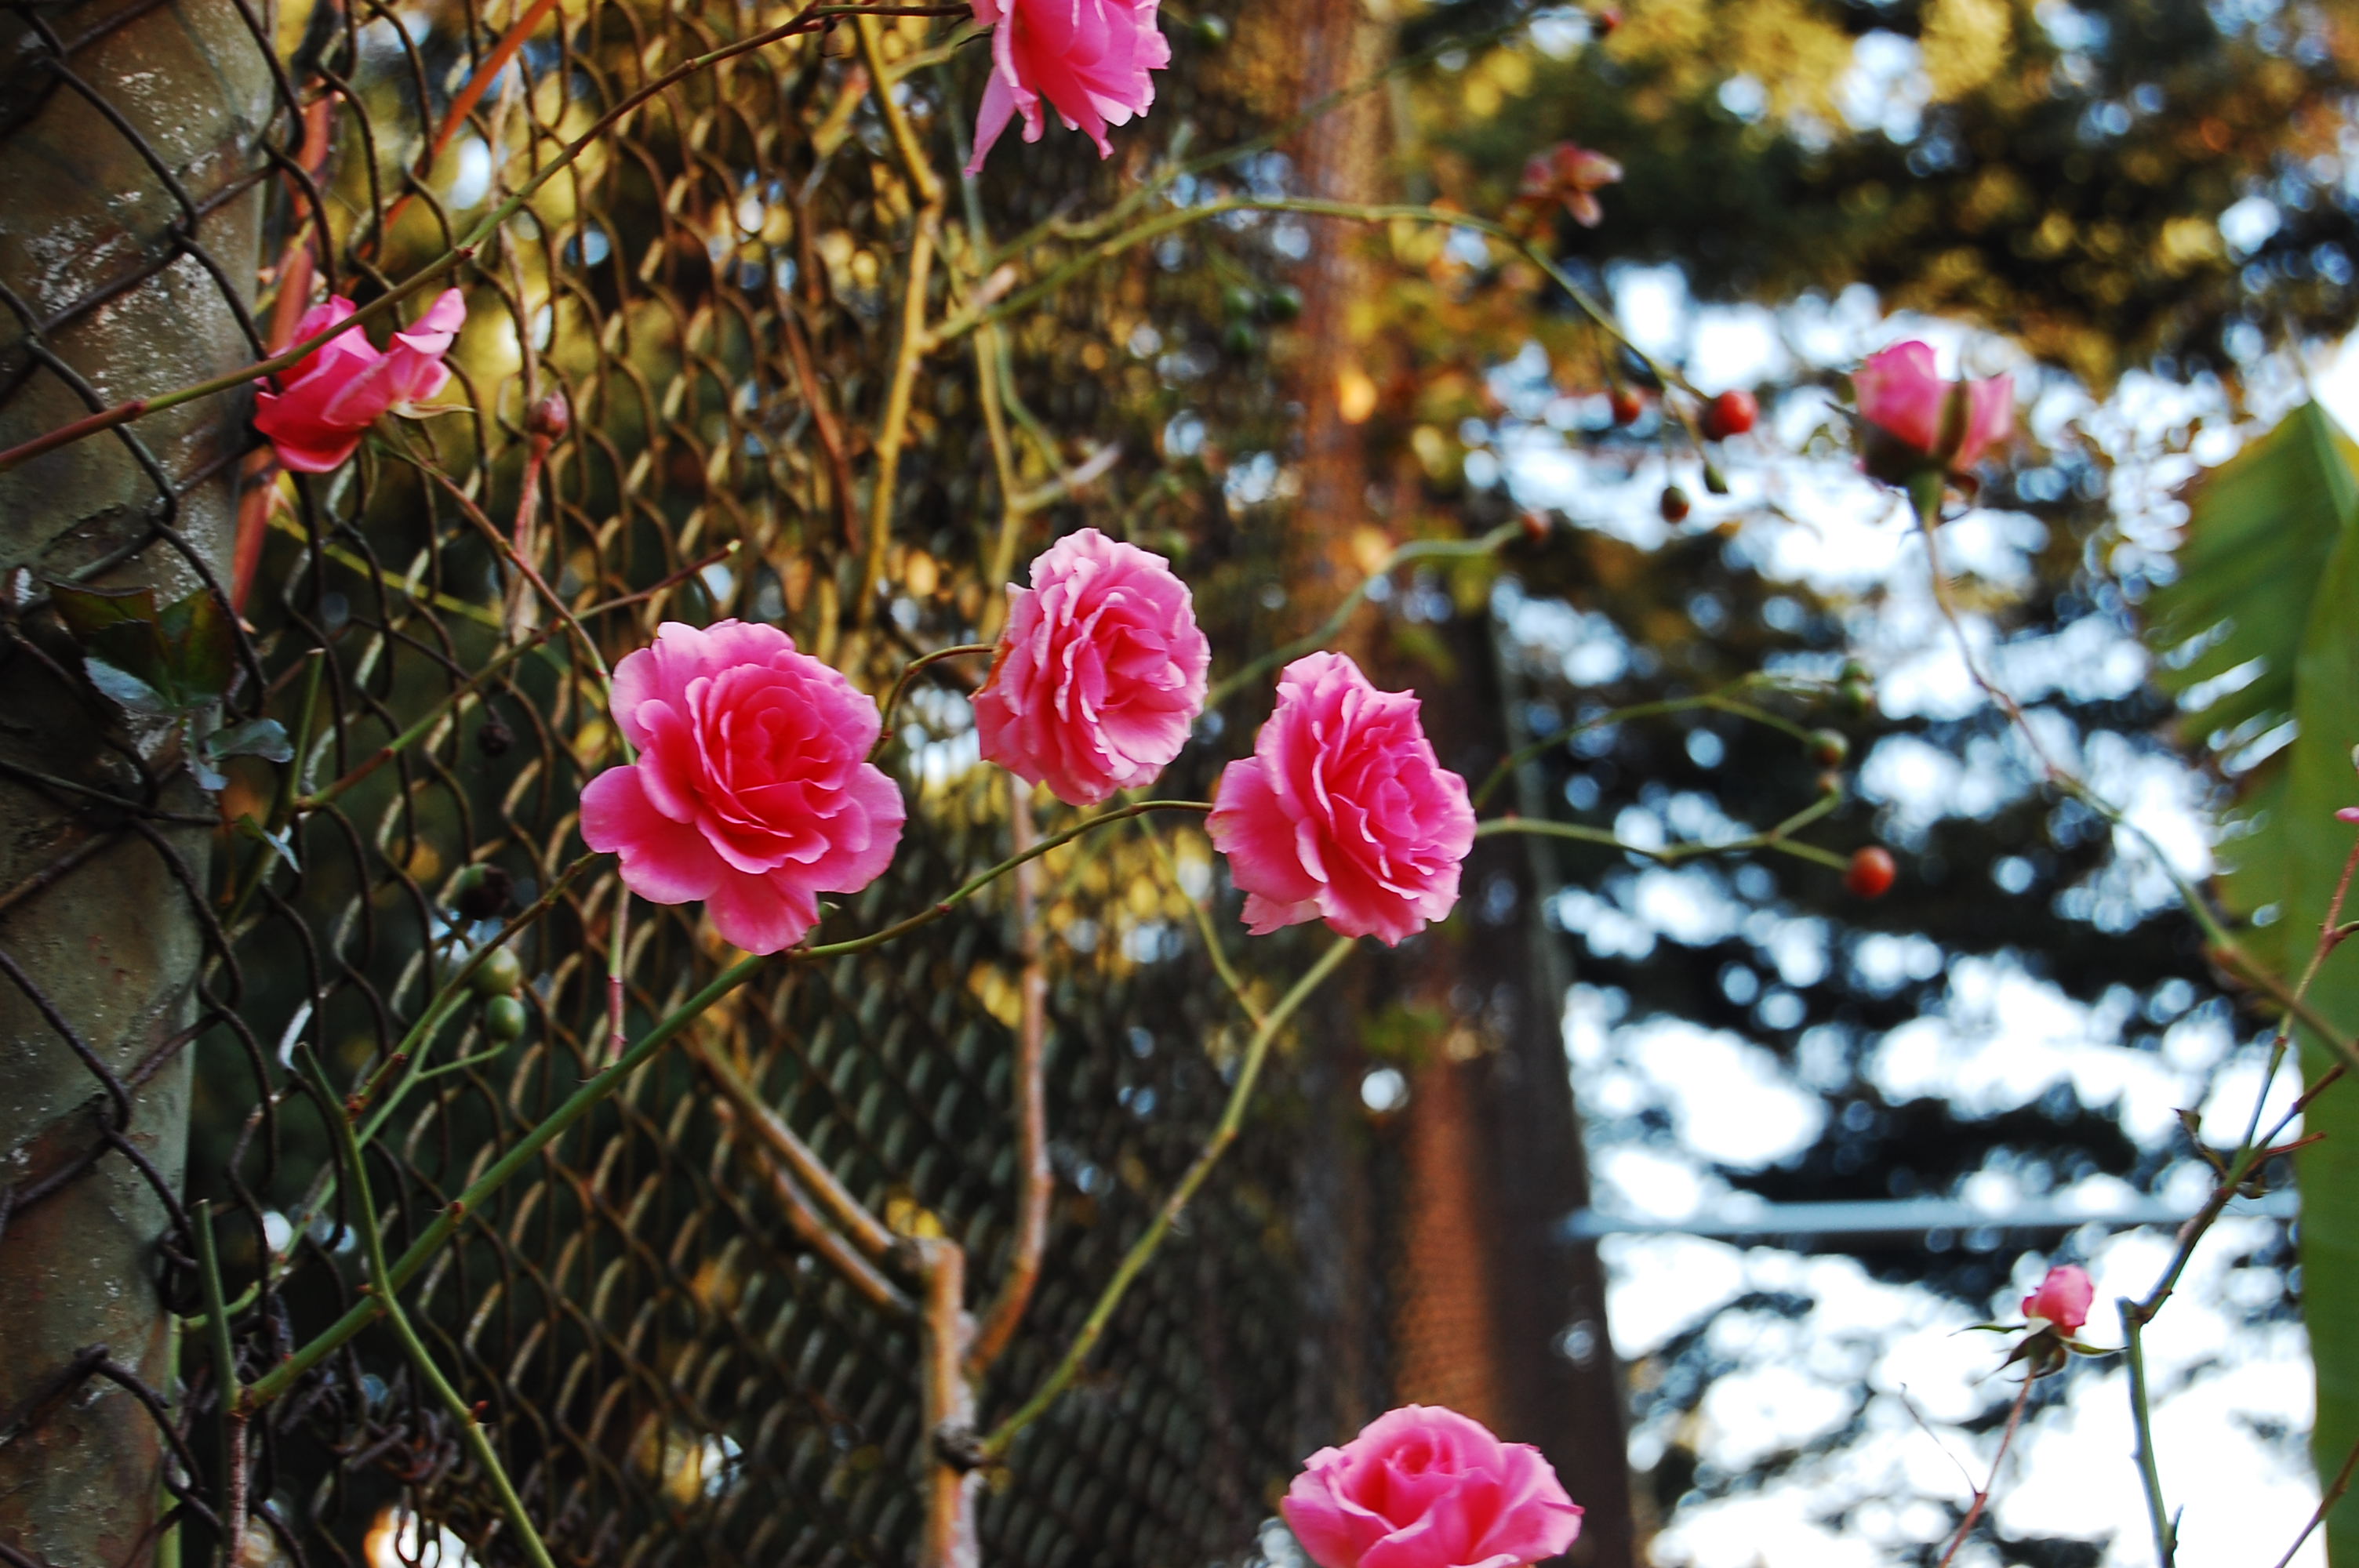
[(2260, 532), (2268, 585), (172, 660), (2319, 781), (203, 644), (264, 738), (126, 687)]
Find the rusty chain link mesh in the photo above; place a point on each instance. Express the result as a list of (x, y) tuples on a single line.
[(711, 290)]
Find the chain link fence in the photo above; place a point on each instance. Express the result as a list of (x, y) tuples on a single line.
[(710, 294)]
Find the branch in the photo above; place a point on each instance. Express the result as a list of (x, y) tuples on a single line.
[(2331, 1495), (1720, 701), (901, 688), (816, 1232), (863, 1229), (892, 430), (1143, 1250)]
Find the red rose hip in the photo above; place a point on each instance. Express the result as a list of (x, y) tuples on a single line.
[(1872, 873), (1730, 414)]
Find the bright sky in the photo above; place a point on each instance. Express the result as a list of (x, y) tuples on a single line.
[(1854, 1406)]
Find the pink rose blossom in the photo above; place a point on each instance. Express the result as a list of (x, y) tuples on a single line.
[(1902, 395), (1099, 673), (1426, 1487), (2062, 1298), (1342, 812), (753, 790), (2348, 814), (324, 405), (1088, 58)]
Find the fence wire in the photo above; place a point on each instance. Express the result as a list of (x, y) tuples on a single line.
[(709, 293)]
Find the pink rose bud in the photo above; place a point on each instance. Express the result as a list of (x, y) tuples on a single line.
[(1099, 673), (1423, 1486), (327, 401), (753, 790), (2063, 1299), (1342, 812), (1088, 58), (1923, 418), (2348, 814)]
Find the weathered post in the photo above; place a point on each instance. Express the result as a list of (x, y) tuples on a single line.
[(128, 134)]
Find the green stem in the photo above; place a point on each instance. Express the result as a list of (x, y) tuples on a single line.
[(2166, 1545), (583, 1100), (1717, 700), (387, 1293), (1778, 839), (231, 1413), (971, 317), (1319, 636), (901, 688), (1143, 1250)]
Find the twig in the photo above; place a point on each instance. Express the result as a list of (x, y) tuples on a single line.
[(901, 688), (1721, 700), (1983, 1495), (2326, 1501), (817, 1234), (892, 431), (863, 1229), (1318, 636), (951, 1479), (1778, 839), (1143, 1250)]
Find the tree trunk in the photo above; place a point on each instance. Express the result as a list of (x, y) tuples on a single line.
[(1490, 1312), (105, 301)]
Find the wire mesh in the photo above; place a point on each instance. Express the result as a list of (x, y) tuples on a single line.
[(709, 292)]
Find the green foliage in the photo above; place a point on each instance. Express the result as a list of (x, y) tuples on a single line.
[(169, 663), (2269, 573), (156, 661), (2259, 539)]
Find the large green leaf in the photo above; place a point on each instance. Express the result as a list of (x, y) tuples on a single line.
[(2269, 579), (2320, 782)]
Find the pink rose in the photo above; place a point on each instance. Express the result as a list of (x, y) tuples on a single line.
[(1342, 812), (753, 790), (1099, 673), (1426, 1487), (1902, 397), (2062, 1298), (1088, 58), (330, 399)]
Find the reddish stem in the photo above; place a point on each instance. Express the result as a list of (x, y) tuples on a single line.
[(1981, 1498), (1037, 1182)]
